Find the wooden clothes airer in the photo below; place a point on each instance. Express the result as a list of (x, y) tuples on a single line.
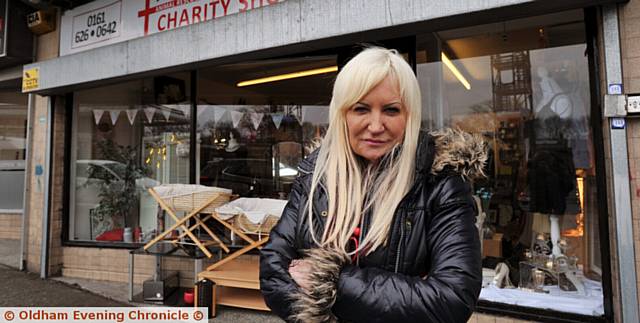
[(193, 214), (204, 208)]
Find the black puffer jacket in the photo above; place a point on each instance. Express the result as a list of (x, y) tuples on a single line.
[(430, 269)]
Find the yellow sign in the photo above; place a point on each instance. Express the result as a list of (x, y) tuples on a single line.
[(31, 79)]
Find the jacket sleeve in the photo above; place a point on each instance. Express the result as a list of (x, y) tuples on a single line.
[(451, 289), (276, 283)]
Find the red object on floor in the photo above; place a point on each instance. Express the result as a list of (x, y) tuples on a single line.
[(188, 297)]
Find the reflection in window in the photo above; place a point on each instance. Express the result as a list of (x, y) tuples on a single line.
[(524, 86), (127, 138), (13, 129), (251, 138)]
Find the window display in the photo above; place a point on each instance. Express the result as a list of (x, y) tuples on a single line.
[(252, 137), (524, 86), (127, 138)]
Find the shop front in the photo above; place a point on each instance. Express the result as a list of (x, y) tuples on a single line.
[(244, 121)]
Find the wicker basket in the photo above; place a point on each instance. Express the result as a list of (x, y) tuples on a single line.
[(191, 201), (242, 223)]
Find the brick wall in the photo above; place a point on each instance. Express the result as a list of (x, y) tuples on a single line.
[(10, 226), (113, 265), (46, 48), (630, 48)]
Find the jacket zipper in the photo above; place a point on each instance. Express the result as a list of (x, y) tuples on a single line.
[(399, 244)]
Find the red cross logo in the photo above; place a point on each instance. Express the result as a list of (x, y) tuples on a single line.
[(149, 10)]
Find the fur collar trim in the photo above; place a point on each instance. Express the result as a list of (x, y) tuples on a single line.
[(460, 152)]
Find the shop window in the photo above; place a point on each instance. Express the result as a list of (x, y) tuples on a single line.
[(524, 86), (251, 137), (13, 129), (127, 138)]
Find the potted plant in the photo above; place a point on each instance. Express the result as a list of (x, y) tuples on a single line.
[(116, 177)]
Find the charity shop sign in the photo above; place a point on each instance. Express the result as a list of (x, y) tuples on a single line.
[(106, 22)]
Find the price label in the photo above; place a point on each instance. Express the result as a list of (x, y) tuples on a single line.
[(96, 25)]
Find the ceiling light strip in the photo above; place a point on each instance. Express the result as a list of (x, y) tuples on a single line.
[(455, 71), (287, 76)]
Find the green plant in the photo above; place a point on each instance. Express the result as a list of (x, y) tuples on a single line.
[(117, 187)]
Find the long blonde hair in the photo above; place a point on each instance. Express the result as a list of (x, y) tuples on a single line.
[(354, 188)]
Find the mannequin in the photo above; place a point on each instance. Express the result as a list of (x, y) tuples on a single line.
[(551, 167), (552, 95), (233, 144)]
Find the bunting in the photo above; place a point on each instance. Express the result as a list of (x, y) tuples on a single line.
[(131, 115), (97, 115), (218, 113), (236, 116), (114, 116), (186, 109), (149, 112), (167, 114), (277, 119), (256, 119)]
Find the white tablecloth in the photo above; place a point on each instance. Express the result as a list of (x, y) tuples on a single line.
[(557, 299)]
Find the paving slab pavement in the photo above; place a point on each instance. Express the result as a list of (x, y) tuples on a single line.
[(18, 289), (10, 252)]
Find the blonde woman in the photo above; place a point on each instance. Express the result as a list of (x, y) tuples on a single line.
[(380, 221)]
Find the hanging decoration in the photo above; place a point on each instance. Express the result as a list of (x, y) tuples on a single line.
[(97, 115), (149, 112), (218, 113), (236, 116), (186, 109), (298, 116), (131, 115), (277, 119), (256, 119), (114, 116), (166, 114)]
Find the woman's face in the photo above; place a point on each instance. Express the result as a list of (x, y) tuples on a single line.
[(377, 122)]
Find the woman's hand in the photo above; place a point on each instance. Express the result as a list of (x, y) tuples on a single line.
[(300, 270)]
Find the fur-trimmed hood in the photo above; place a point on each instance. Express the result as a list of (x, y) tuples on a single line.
[(452, 150), (445, 150)]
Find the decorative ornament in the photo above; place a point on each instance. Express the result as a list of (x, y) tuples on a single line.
[(166, 114), (277, 119), (97, 115), (256, 119), (131, 115), (114, 116), (236, 116), (149, 112)]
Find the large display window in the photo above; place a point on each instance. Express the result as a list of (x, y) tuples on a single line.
[(126, 138), (524, 86)]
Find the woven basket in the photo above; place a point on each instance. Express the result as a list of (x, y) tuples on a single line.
[(192, 201), (242, 223)]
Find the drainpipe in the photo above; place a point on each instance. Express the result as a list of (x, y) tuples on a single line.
[(27, 186), (615, 114), (44, 250)]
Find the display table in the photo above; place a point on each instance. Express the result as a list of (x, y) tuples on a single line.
[(556, 299), (237, 284)]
